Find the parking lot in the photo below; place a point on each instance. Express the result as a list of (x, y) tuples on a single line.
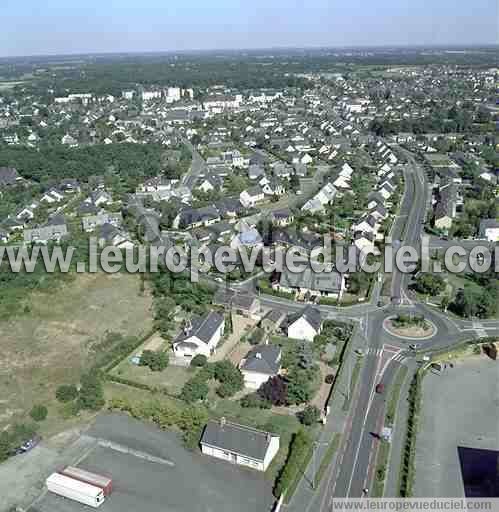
[(460, 409), (192, 483)]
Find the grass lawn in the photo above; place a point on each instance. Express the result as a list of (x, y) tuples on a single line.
[(52, 343), (173, 378)]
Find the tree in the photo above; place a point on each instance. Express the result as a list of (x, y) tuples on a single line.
[(429, 284), (194, 390), (66, 393), (230, 378), (299, 390), (91, 392), (309, 415), (4, 446), (199, 360), (275, 390), (157, 361), (38, 412)]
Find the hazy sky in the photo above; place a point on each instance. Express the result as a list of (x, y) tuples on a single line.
[(31, 27)]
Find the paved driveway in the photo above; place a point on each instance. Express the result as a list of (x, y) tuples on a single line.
[(194, 483), (460, 409)]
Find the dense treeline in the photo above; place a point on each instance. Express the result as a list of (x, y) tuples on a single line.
[(59, 162)]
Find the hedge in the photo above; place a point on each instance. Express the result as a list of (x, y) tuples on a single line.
[(300, 451), (408, 456)]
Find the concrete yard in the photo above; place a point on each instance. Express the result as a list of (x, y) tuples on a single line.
[(460, 409), (194, 483)]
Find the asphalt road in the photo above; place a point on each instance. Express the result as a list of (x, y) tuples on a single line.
[(408, 225), (198, 166)]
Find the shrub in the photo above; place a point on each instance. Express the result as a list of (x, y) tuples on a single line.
[(156, 361), (194, 389), (275, 391), (253, 400), (38, 412), (309, 415), (199, 361), (329, 378), (231, 379), (66, 393), (91, 392)]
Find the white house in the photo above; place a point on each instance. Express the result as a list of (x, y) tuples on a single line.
[(200, 336), (239, 444), (52, 196), (260, 364), (489, 229), (306, 325), (251, 196)]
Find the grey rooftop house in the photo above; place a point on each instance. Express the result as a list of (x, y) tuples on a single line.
[(239, 444)]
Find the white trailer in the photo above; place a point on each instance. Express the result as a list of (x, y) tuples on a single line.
[(75, 490)]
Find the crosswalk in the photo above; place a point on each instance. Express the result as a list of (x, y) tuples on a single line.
[(479, 329), (380, 352)]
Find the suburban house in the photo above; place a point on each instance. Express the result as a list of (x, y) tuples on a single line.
[(200, 336), (282, 217), (445, 209), (312, 284), (9, 176), (90, 222), (241, 303), (272, 321), (52, 231), (489, 230), (111, 235), (261, 363), (251, 196), (196, 217), (52, 196), (305, 325), (239, 444)]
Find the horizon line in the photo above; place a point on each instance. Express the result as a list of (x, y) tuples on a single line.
[(430, 46)]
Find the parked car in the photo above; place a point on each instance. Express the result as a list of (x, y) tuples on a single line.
[(380, 387), (28, 445)]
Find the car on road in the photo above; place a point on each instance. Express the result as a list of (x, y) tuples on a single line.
[(359, 352), (380, 388), (414, 346), (28, 445)]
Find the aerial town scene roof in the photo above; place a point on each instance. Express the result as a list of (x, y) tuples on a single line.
[(249, 255)]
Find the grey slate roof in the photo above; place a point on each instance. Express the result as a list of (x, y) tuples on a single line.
[(488, 224), (8, 176), (263, 359), (312, 316), (238, 439), (330, 282), (203, 327)]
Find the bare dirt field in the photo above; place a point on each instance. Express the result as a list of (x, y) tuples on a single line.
[(51, 344)]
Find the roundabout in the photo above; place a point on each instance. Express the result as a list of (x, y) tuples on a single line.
[(410, 330)]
